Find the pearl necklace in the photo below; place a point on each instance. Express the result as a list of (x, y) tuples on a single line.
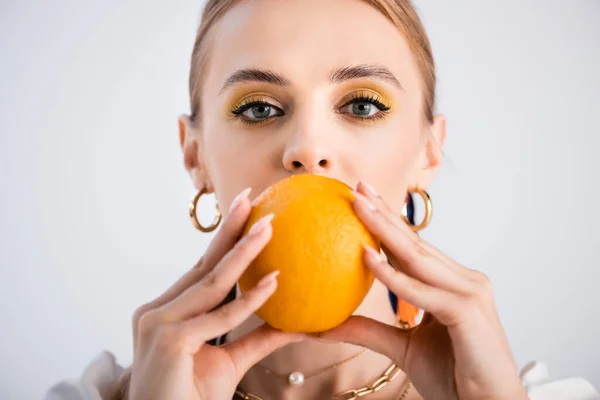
[(297, 378), (353, 394)]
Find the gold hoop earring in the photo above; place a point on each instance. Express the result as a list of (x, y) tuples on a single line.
[(194, 218), (428, 210)]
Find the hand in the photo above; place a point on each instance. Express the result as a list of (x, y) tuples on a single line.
[(459, 350), (171, 358)]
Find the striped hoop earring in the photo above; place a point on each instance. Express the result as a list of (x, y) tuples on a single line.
[(428, 210), (192, 210)]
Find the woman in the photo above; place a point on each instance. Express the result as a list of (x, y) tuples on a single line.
[(343, 88)]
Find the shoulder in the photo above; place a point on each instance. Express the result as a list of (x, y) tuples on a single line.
[(536, 379), (93, 383)]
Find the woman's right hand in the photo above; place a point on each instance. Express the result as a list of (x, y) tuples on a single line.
[(171, 358)]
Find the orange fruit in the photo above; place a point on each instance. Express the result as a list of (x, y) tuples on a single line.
[(317, 247)]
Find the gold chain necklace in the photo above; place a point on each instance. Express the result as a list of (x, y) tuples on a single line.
[(298, 378), (389, 375)]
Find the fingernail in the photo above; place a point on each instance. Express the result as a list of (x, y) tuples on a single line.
[(370, 188), (268, 279), (261, 224), (236, 202), (371, 252), (367, 202)]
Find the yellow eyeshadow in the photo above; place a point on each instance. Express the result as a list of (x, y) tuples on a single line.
[(369, 94), (344, 93), (240, 97), (368, 89)]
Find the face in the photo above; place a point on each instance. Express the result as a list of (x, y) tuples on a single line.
[(311, 86)]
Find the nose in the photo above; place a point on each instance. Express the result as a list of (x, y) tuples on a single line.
[(306, 155)]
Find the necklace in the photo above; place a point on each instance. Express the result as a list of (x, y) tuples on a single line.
[(298, 378), (353, 394)]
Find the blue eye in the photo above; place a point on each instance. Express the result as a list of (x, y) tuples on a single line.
[(256, 111), (260, 111), (364, 107)]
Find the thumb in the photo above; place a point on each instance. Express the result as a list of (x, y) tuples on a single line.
[(256, 345), (377, 336)]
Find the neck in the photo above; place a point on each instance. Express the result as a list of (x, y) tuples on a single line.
[(312, 355)]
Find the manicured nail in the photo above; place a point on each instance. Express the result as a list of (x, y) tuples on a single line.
[(268, 279), (372, 253), (370, 188), (238, 199), (261, 224), (361, 197)]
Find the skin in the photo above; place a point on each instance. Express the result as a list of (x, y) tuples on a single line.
[(459, 351)]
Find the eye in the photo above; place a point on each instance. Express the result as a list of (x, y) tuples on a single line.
[(256, 111), (361, 108), (261, 111), (364, 107)]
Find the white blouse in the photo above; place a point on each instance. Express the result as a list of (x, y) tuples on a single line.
[(98, 376)]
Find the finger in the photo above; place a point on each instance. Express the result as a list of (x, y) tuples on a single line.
[(377, 336), (184, 282), (368, 190), (435, 300), (189, 335), (262, 341), (221, 243), (231, 230), (404, 254), (211, 290), (222, 320)]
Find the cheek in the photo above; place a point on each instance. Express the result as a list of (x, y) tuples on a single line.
[(235, 161), (237, 153), (392, 149), (222, 157), (222, 149), (388, 161)]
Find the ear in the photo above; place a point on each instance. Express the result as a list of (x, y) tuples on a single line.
[(191, 147), (430, 157)]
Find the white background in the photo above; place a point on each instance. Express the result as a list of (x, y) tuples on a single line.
[(94, 194)]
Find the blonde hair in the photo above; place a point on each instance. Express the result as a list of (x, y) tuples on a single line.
[(401, 13)]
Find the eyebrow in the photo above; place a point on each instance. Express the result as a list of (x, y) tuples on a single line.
[(363, 71), (339, 75), (255, 75)]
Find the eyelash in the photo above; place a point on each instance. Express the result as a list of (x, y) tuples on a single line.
[(238, 112)]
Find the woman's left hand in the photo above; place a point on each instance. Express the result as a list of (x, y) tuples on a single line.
[(459, 350)]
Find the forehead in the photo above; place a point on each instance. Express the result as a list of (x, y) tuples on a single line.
[(304, 40)]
